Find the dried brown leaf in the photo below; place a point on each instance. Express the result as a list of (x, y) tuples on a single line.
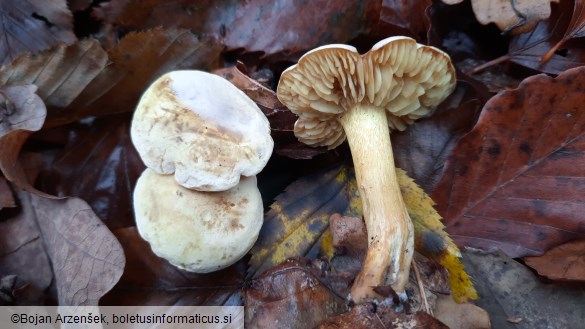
[(565, 262), (408, 16), (515, 181), (136, 61), (22, 251), (29, 26), (85, 256), (461, 316), (381, 317), (6, 197), (22, 113), (422, 149), (576, 28), (264, 26), (83, 80), (290, 294), (100, 158), (61, 74)]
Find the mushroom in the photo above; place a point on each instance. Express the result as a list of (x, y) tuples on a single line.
[(338, 93), (201, 128), (197, 231)]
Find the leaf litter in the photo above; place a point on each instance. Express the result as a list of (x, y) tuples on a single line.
[(81, 79)]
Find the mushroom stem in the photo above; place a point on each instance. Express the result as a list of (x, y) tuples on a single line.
[(390, 230)]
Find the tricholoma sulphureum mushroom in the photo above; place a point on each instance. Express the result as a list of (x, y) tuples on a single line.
[(201, 128), (197, 231), (338, 93)]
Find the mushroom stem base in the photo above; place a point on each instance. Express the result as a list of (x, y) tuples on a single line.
[(390, 230)]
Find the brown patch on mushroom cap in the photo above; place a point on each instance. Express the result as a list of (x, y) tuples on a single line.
[(405, 78), (197, 231), (202, 129)]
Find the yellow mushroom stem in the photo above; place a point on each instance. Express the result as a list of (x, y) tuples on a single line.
[(390, 230)]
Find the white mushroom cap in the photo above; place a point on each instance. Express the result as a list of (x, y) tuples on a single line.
[(201, 128), (406, 79), (197, 231)]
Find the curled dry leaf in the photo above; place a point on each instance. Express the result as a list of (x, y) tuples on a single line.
[(513, 182), (33, 26), (290, 295), (513, 17), (565, 262), (264, 26), (85, 256), (21, 113), (151, 280), (6, 197), (576, 28)]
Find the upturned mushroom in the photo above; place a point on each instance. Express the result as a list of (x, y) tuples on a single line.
[(197, 231), (337, 94), (201, 128)]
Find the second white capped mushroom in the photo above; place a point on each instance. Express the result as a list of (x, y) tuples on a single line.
[(197, 231), (201, 128)]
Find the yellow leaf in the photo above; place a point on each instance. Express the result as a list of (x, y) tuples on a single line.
[(431, 239), (297, 225)]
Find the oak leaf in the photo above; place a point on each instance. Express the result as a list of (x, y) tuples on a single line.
[(514, 181)]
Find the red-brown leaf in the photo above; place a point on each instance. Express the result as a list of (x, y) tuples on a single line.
[(33, 26), (290, 294), (516, 181), (257, 26)]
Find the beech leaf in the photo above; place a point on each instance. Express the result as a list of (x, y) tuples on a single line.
[(83, 80), (515, 181), (86, 257), (264, 26), (33, 26)]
